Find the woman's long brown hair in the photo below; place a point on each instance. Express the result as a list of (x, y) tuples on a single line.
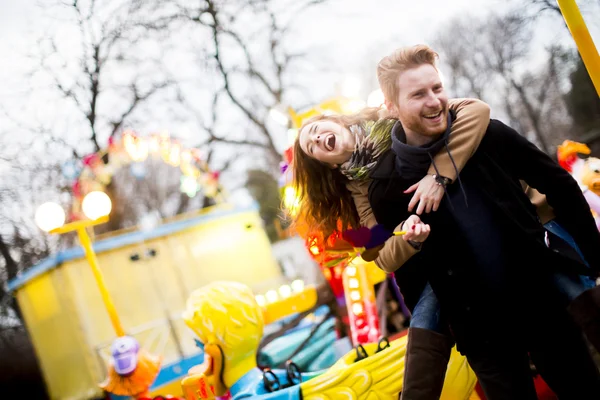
[(326, 205)]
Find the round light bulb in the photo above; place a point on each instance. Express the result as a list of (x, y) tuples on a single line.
[(49, 216), (285, 291), (271, 296), (96, 204), (260, 300), (357, 309), (297, 286)]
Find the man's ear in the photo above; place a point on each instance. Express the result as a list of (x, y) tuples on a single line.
[(393, 110)]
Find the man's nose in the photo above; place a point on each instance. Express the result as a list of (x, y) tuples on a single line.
[(433, 101), (317, 138)]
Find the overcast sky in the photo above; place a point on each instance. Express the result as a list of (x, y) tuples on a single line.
[(351, 34), (350, 29)]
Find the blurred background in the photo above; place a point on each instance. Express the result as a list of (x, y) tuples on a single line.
[(218, 76)]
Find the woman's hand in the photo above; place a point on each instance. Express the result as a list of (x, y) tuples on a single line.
[(416, 230), (428, 193)]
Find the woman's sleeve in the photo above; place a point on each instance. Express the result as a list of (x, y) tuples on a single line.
[(472, 120), (396, 251)]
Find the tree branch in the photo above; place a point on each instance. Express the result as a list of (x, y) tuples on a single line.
[(270, 145), (136, 101)]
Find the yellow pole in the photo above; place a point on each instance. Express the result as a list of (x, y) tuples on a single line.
[(583, 39), (85, 241)]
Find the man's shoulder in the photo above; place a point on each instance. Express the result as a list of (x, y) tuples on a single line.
[(496, 126), (498, 131)]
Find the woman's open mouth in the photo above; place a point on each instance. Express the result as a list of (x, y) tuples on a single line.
[(330, 142)]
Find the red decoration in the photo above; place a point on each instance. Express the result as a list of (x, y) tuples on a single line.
[(91, 159), (288, 155)]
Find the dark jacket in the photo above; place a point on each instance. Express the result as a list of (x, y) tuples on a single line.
[(486, 253)]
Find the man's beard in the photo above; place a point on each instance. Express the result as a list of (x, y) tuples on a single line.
[(420, 127)]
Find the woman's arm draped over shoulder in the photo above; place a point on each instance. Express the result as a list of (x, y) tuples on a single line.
[(473, 118), (396, 251)]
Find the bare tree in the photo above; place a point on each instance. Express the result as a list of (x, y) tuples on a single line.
[(109, 36), (466, 63), (90, 78), (250, 63), (490, 59)]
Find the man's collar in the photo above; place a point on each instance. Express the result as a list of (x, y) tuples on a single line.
[(385, 167)]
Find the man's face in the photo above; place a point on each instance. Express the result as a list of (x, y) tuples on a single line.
[(422, 105), (327, 141)]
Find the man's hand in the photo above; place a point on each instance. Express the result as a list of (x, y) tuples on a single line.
[(428, 193), (415, 229)]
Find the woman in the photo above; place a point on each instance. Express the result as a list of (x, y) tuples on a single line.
[(332, 178)]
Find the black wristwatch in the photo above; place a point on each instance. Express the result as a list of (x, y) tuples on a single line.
[(442, 180)]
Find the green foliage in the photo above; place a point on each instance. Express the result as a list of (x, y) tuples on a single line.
[(582, 99), (264, 189)]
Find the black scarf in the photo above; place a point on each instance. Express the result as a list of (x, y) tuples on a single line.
[(412, 162)]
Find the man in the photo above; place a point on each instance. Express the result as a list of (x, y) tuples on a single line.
[(487, 257)]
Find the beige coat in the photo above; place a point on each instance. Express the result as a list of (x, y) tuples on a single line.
[(473, 117)]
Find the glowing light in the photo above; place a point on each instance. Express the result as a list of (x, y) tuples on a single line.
[(260, 300), (96, 204), (314, 250), (186, 156), (49, 216), (290, 200), (189, 186), (355, 295), (353, 283), (136, 148), (271, 296), (357, 309), (351, 271), (353, 106), (285, 291), (376, 98), (174, 155), (153, 144), (297, 286)]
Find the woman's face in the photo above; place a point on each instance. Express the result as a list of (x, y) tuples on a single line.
[(327, 141)]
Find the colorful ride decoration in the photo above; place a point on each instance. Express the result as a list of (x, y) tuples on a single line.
[(147, 273), (360, 300), (586, 172), (229, 325), (132, 370), (95, 171)]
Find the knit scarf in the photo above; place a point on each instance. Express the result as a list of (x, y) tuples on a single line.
[(373, 138)]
